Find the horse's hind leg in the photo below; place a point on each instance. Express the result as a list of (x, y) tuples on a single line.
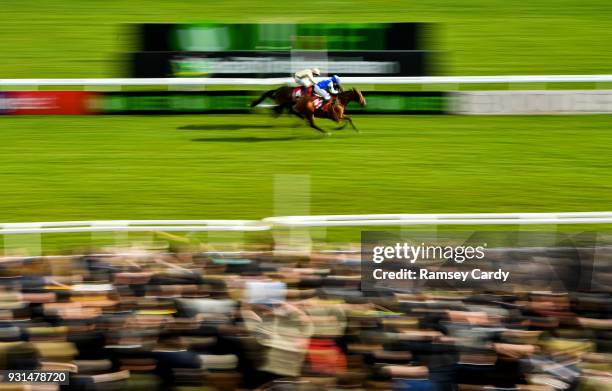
[(293, 111), (277, 110), (298, 116)]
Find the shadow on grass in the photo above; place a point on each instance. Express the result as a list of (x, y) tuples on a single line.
[(226, 127), (253, 139)]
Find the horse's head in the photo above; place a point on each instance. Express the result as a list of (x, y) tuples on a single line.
[(358, 96)]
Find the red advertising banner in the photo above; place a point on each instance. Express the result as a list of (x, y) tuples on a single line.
[(46, 102)]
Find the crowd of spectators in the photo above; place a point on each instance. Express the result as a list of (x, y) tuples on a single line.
[(259, 320)]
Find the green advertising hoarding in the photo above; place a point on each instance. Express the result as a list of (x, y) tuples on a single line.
[(196, 102)]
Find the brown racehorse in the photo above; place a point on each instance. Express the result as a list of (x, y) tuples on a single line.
[(283, 97), (335, 110)]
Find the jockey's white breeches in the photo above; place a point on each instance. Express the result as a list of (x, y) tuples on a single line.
[(321, 92)]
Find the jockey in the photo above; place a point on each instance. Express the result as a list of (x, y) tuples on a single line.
[(327, 86), (305, 78)]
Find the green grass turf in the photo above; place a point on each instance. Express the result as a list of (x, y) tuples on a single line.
[(76, 38), (211, 166), (137, 167)]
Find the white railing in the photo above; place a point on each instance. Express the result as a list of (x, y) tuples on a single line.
[(309, 221), (133, 226), (442, 219), (382, 80)]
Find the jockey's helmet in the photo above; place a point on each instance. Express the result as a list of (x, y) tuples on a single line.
[(316, 71), (335, 79)]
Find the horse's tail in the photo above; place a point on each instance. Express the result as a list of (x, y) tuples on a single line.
[(267, 94)]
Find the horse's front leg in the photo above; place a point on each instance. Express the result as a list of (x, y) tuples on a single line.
[(350, 121), (342, 126), (338, 117), (310, 119)]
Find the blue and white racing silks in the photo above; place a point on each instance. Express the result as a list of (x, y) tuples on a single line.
[(325, 84)]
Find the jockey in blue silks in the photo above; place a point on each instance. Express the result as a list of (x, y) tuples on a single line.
[(327, 86)]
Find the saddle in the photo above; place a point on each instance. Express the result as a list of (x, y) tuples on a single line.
[(321, 105), (319, 102)]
